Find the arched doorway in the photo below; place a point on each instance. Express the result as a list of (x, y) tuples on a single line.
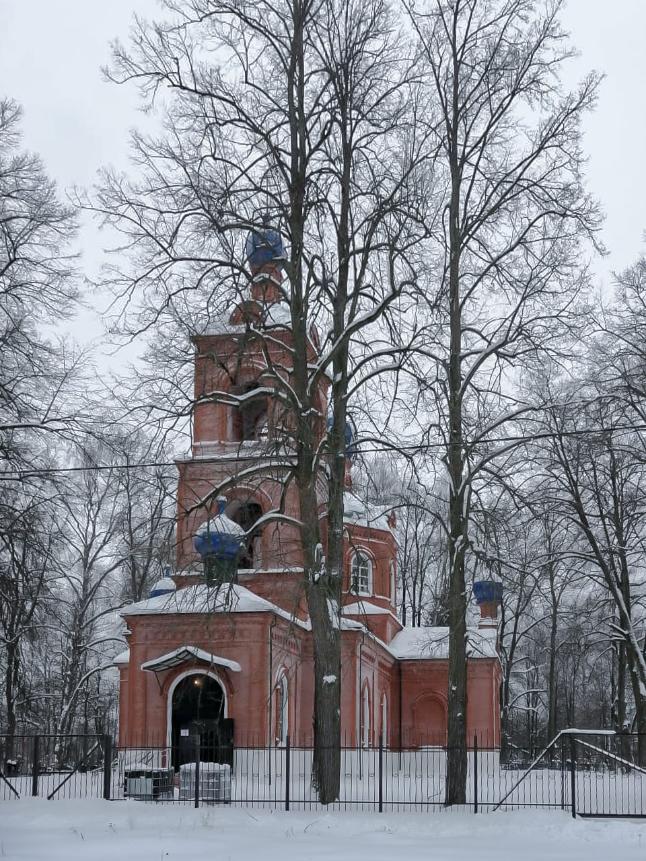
[(198, 708), (429, 719)]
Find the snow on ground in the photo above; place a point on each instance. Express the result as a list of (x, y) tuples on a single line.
[(94, 830)]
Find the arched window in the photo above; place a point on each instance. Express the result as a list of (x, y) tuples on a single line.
[(361, 574), (281, 700), (393, 584), (384, 720), (246, 514), (365, 717)]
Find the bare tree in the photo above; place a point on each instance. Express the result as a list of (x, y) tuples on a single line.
[(146, 500), (598, 480), (305, 119), (37, 286), (88, 593), (29, 545), (37, 289), (508, 160)]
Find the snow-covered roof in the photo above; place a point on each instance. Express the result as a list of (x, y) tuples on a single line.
[(409, 644), (365, 608), (222, 327), (188, 653), (433, 642), (121, 658), (200, 598), (357, 512)]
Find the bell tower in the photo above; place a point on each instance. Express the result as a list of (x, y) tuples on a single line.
[(241, 441)]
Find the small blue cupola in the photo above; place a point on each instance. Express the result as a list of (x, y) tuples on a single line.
[(487, 592), (265, 246), (349, 434), (165, 586), (219, 542)]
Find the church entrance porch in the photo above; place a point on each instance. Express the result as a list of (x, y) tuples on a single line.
[(198, 710)]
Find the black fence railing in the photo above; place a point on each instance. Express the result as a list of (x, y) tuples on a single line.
[(581, 772), (69, 766)]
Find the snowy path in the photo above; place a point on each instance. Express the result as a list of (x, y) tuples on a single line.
[(92, 830)]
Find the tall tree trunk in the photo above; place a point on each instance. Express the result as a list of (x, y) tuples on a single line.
[(456, 772), (11, 679), (551, 679)]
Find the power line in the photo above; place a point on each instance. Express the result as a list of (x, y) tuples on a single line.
[(18, 475)]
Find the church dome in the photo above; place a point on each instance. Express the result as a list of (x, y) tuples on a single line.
[(219, 537), (264, 246), (165, 586)]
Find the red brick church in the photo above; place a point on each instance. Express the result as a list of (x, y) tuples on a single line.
[(236, 658)]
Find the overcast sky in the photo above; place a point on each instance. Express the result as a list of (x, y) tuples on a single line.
[(51, 52)]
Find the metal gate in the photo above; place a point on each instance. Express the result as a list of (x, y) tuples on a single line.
[(602, 774), (51, 766)]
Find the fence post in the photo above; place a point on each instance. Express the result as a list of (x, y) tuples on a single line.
[(35, 766), (381, 773), (107, 767), (287, 771), (198, 744), (573, 774), (475, 773), (562, 772)]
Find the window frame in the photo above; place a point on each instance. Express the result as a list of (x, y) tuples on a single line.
[(355, 587)]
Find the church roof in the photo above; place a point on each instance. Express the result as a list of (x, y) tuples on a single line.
[(366, 608), (433, 642), (358, 513), (200, 598), (409, 644)]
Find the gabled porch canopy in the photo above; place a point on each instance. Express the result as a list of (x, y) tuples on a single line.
[(185, 655)]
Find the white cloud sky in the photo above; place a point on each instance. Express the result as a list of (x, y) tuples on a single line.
[(51, 52)]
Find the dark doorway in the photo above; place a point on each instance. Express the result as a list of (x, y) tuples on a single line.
[(198, 710)]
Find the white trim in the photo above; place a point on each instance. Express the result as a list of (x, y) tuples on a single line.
[(183, 654), (171, 691), (372, 540)]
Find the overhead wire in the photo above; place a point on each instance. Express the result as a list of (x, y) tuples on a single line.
[(17, 475)]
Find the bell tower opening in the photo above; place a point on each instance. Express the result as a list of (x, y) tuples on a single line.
[(249, 420), (245, 514)]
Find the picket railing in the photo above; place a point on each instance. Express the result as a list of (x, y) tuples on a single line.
[(585, 772)]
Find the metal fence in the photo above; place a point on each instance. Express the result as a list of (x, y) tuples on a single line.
[(585, 773)]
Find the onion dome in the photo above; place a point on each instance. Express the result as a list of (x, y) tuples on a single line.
[(349, 437), (165, 586), (264, 247), (220, 538), (487, 592)]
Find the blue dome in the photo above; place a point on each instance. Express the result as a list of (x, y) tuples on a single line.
[(165, 586), (217, 545), (264, 246), (221, 537), (486, 591)]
